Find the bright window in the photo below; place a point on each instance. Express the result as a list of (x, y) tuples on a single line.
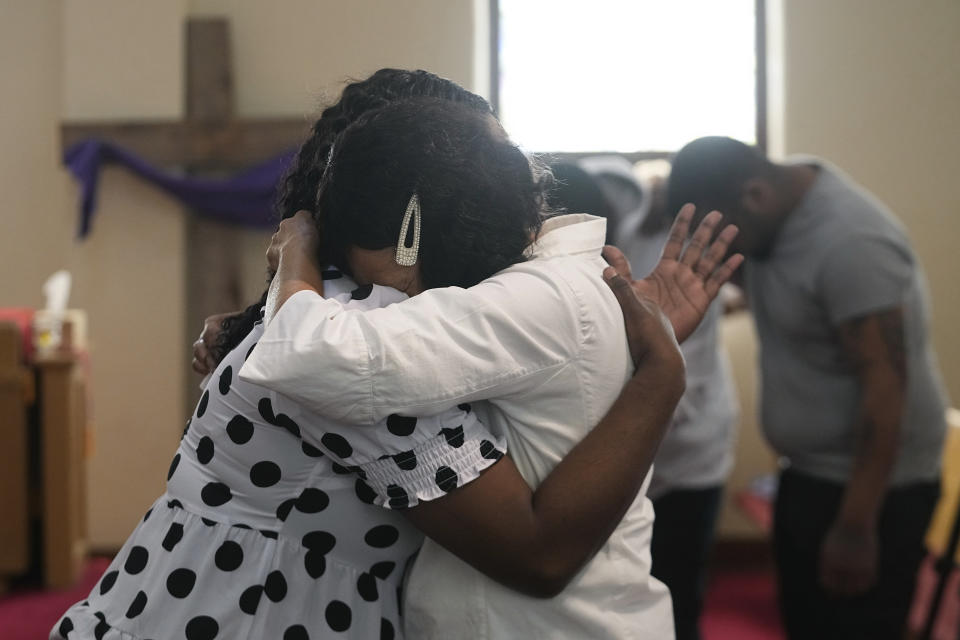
[(626, 75)]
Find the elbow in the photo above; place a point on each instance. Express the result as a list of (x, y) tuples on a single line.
[(545, 590), (545, 579)]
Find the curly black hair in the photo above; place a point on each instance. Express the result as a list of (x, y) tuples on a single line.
[(481, 198), (300, 186), (710, 172)]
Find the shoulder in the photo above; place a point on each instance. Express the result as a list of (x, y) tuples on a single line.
[(840, 220), (548, 300), (854, 211), (573, 282), (531, 289)]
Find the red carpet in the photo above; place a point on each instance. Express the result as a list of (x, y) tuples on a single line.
[(740, 606), (28, 614)]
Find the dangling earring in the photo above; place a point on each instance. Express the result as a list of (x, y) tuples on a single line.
[(407, 256)]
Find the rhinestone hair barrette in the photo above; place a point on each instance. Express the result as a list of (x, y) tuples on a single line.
[(407, 255)]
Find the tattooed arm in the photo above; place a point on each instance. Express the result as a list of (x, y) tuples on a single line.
[(874, 345)]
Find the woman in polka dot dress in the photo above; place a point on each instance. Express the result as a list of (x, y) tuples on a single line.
[(263, 533)]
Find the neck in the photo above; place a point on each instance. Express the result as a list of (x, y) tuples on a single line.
[(405, 279), (414, 288), (793, 182), (797, 180)]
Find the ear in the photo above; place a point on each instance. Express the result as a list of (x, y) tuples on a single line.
[(758, 196)]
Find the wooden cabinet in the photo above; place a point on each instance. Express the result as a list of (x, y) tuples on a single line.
[(16, 398), (42, 462)]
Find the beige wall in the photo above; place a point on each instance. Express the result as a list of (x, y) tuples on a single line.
[(128, 275), (293, 55), (36, 230), (124, 60), (874, 86)]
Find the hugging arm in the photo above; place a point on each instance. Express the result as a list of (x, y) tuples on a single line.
[(479, 507), (533, 541), (290, 257), (453, 345), (205, 359), (536, 541)]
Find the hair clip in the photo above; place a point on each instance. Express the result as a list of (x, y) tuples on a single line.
[(407, 255)]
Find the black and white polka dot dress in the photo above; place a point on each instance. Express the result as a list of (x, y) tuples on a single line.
[(277, 524)]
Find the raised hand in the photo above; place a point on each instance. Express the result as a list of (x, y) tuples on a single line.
[(685, 281)]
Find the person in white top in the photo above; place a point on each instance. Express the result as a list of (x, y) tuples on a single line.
[(540, 343), (696, 454)]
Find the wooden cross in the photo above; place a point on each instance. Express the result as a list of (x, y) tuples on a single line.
[(209, 140)]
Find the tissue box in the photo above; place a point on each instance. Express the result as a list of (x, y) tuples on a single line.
[(74, 331)]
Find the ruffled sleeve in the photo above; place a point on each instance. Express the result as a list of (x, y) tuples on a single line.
[(436, 466), (405, 460)]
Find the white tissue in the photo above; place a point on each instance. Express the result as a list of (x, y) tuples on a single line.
[(48, 323), (57, 292)]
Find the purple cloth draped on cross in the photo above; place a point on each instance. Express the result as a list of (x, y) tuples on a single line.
[(245, 199)]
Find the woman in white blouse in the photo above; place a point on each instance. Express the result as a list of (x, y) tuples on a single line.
[(538, 343)]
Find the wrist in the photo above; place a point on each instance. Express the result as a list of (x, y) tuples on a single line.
[(293, 275), (297, 267), (662, 366), (663, 354), (856, 519)]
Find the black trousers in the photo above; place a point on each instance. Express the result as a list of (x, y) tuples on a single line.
[(682, 537), (805, 510)]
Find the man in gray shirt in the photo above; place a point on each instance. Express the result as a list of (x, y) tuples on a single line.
[(851, 395)]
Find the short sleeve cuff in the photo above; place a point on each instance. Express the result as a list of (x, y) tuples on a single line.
[(865, 276), (433, 469)]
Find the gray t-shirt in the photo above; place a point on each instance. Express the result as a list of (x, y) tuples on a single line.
[(840, 255)]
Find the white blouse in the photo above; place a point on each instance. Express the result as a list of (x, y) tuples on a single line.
[(543, 343)]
